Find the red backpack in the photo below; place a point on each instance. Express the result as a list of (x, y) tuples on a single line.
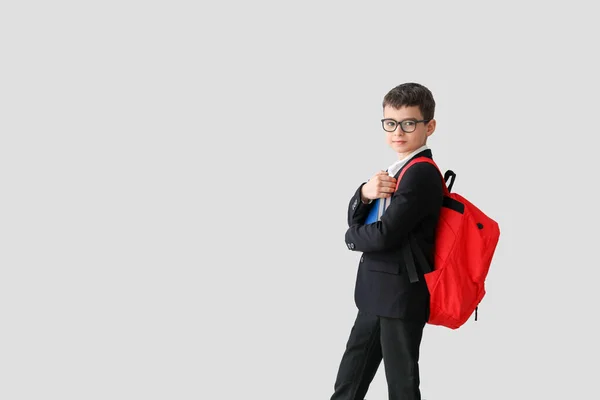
[(464, 245)]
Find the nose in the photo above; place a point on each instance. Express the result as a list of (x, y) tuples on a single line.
[(398, 130)]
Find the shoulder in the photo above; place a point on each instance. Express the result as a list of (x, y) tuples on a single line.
[(422, 174)]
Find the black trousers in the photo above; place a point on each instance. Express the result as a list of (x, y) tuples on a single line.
[(373, 338)]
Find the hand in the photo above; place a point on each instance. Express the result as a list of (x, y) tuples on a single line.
[(380, 186)]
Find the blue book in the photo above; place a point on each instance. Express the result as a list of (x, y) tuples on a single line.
[(378, 207)]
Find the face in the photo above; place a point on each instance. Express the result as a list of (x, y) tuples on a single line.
[(405, 143)]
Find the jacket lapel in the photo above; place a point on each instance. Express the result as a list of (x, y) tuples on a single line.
[(424, 153)]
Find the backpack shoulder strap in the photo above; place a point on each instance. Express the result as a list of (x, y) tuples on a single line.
[(427, 160), (411, 244)]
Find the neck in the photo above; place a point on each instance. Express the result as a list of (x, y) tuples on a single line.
[(403, 156)]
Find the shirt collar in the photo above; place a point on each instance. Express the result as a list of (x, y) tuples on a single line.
[(395, 167)]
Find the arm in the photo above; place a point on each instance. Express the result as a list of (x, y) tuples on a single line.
[(418, 194), (358, 208)]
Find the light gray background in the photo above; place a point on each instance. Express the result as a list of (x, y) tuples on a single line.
[(175, 180)]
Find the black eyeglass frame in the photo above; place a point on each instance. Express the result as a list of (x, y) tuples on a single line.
[(400, 124)]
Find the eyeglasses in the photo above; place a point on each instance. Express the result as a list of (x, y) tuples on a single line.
[(407, 125)]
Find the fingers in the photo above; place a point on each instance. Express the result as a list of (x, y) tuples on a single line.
[(385, 185), (389, 181)]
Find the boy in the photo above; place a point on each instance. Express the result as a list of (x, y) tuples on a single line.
[(392, 311)]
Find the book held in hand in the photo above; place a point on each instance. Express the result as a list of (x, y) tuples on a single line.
[(377, 209)]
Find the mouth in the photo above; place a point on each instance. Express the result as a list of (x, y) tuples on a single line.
[(399, 141)]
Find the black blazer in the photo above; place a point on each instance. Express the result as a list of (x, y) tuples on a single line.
[(382, 285)]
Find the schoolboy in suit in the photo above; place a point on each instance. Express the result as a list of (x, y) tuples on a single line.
[(392, 311)]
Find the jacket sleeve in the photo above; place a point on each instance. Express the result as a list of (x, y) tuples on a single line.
[(418, 194), (357, 210)]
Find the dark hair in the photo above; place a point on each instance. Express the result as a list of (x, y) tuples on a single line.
[(411, 94)]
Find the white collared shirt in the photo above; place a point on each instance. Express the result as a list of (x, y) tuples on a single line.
[(395, 167)]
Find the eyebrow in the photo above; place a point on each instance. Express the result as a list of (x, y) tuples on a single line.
[(403, 119)]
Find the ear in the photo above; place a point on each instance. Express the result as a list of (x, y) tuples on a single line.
[(431, 127)]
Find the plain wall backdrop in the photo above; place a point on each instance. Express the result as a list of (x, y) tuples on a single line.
[(175, 177)]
